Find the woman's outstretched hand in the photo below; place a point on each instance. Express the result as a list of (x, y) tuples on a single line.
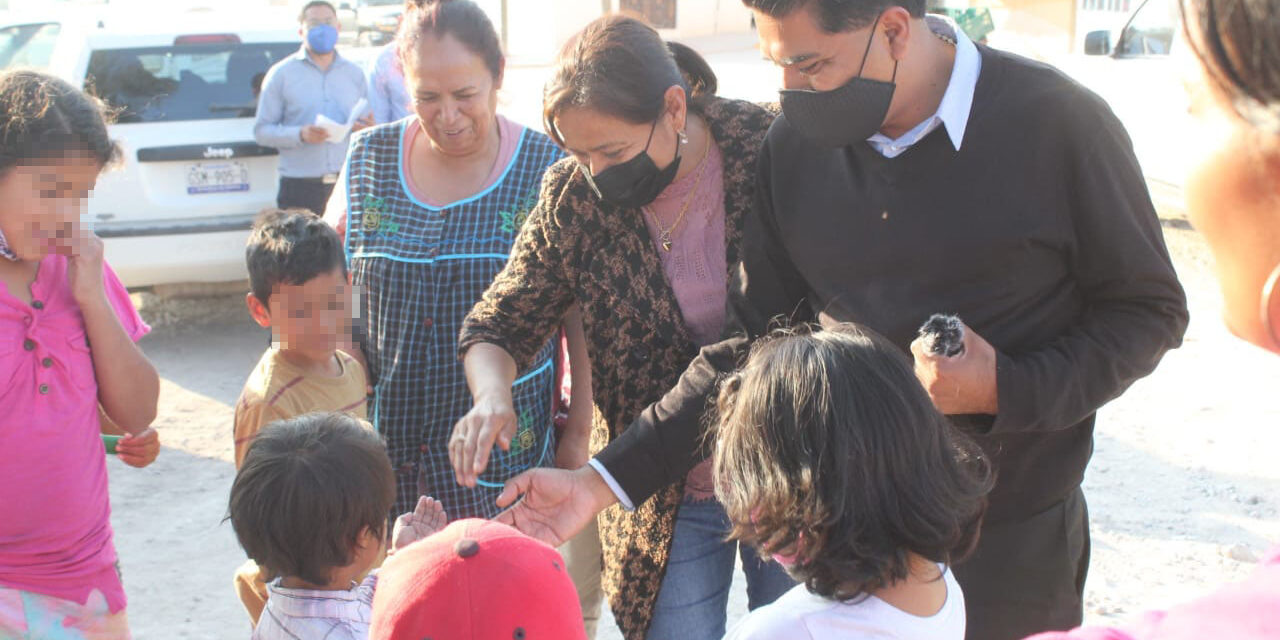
[(553, 505), (492, 419)]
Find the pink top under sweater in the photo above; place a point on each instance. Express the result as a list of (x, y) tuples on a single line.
[(696, 267)]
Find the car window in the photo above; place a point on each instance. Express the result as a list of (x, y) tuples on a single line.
[(28, 45), (1151, 31), (381, 3), (183, 82)]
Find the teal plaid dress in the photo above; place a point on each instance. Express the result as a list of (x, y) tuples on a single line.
[(418, 270)]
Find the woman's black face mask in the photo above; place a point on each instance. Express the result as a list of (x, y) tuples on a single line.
[(843, 116), (636, 182)]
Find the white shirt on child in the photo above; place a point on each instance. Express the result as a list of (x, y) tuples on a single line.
[(800, 615), (310, 613)]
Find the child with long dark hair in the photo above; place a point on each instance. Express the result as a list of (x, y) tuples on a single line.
[(67, 333), (831, 457)]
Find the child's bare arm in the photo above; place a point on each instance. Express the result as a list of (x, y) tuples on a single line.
[(106, 426), (574, 448), (128, 386), (136, 450), (139, 449)]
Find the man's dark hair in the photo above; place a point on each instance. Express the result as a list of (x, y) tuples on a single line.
[(835, 16), (829, 449), (290, 246), (302, 15), (307, 489)]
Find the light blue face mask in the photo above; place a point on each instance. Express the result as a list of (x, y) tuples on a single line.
[(322, 38)]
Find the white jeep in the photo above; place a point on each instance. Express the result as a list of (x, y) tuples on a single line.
[(184, 88)]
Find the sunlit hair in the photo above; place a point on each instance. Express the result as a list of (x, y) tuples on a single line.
[(621, 67), (828, 449), (1237, 42), (462, 19), (44, 119)]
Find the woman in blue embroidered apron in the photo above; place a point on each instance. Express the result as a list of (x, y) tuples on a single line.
[(432, 204)]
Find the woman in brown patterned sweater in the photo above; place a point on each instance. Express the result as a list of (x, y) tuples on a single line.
[(639, 227)]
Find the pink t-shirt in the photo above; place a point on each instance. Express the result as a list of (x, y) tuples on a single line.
[(696, 266), (55, 533), (1247, 610)]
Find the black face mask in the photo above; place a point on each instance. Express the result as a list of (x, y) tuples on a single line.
[(843, 116), (636, 182)]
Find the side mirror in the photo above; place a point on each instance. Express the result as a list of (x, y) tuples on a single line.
[(1097, 43)]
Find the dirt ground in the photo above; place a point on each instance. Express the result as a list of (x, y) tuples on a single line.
[(1183, 488)]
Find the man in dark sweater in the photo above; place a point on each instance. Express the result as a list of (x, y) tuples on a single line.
[(913, 173)]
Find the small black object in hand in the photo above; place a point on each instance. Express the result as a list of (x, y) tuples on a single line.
[(943, 335)]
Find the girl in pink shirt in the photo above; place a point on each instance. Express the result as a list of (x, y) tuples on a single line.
[(67, 333)]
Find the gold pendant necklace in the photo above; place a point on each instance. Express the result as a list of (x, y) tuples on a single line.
[(664, 235)]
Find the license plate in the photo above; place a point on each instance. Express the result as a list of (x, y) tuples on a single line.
[(217, 177)]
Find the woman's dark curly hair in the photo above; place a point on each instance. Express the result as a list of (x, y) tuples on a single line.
[(829, 449)]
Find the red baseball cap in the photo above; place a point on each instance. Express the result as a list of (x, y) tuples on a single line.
[(476, 579)]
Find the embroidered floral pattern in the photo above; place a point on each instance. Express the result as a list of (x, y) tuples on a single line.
[(376, 218), (513, 219)]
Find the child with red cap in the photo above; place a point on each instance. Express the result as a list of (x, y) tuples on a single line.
[(476, 579)]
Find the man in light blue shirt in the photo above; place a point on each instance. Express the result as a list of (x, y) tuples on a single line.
[(387, 95), (315, 81)]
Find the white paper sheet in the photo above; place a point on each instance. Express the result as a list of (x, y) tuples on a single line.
[(338, 131)]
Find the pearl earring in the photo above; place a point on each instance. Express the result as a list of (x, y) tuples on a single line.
[(684, 138)]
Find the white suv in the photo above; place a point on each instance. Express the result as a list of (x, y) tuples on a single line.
[(185, 91), (1141, 75)]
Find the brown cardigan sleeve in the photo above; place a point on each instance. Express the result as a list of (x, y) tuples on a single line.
[(530, 296)]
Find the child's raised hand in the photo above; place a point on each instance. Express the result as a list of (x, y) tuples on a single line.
[(426, 519), (84, 266), (139, 450)]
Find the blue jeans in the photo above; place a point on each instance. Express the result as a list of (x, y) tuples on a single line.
[(695, 592)]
